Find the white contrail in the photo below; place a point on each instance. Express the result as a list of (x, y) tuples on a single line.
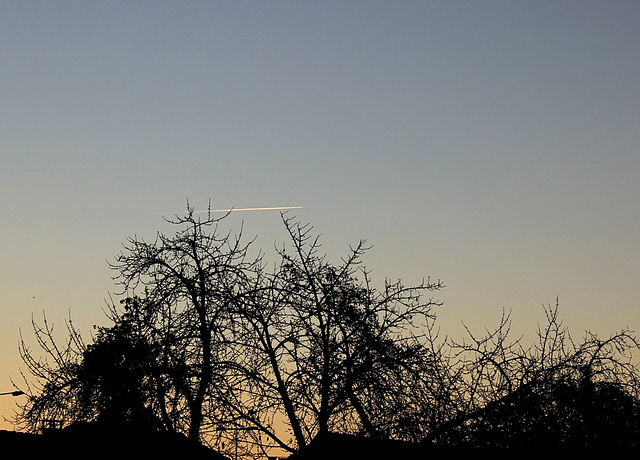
[(272, 208)]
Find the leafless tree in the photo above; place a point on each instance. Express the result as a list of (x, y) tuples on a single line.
[(188, 282), (317, 341), (217, 344), (555, 390), (49, 378)]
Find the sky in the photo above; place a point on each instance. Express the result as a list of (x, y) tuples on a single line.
[(494, 145)]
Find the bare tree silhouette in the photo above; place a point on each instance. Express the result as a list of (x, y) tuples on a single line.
[(554, 393), (316, 340), (208, 342), (187, 282), (246, 356)]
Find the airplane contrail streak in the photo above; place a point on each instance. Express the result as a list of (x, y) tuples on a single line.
[(272, 208)]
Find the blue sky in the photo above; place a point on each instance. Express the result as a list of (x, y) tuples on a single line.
[(492, 144)]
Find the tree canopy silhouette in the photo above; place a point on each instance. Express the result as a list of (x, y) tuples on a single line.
[(553, 393), (209, 341), (248, 353)]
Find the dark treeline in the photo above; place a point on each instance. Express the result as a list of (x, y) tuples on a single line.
[(247, 356)]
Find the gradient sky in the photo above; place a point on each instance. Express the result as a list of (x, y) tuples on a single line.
[(491, 144)]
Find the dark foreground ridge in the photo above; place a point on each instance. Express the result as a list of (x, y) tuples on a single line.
[(341, 446), (97, 442), (102, 442), (348, 447)]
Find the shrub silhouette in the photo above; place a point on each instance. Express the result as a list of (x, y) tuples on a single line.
[(562, 414)]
